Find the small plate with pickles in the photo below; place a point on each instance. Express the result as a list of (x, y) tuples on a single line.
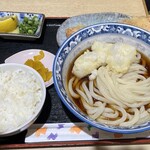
[(40, 60), (21, 25)]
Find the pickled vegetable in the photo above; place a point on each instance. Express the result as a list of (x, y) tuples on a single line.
[(36, 64), (40, 56)]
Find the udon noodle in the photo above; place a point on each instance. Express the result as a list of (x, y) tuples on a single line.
[(114, 99)]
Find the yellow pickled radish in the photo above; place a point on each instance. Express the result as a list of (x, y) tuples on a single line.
[(29, 62), (39, 67), (40, 56), (8, 24), (42, 73), (48, 75)]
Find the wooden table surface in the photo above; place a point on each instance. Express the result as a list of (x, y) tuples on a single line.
[(68, 8)]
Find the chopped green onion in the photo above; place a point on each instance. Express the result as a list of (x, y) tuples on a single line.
[(29, 25)]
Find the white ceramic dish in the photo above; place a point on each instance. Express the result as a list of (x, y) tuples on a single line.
[(86, 20), (22, 56)]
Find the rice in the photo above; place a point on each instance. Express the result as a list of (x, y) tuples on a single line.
[(20, 94)]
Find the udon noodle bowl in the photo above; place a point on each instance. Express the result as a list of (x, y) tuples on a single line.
[(110, 83)]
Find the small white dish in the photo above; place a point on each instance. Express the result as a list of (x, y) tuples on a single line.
[(22, 56)]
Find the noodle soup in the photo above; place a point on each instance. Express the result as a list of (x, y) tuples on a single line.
[(109, 90), (111, 85)]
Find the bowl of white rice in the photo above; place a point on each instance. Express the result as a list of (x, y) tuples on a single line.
[(22, 96)]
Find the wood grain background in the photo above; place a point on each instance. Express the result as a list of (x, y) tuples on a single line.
[(68, 8)]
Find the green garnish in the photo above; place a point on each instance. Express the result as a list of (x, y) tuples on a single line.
[(29, 26)]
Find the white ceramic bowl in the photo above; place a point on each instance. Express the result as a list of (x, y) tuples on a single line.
[(39, 105), (83, 39)]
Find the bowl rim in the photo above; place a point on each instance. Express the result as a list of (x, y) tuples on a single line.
[(25, 125), (69, 107)]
